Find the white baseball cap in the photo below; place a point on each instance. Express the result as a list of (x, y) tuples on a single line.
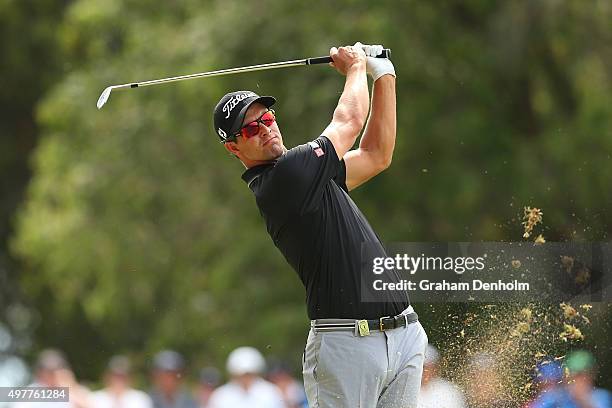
[(245, 360)]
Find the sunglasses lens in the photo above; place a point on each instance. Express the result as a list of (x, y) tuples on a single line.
[(250, 130), (268, 118)]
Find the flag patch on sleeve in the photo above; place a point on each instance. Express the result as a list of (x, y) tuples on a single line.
[(316, 148)]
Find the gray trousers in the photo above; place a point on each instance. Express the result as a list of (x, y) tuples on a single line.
[(382, 370)]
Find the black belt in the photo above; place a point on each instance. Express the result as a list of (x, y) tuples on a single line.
[(389, 323), (363, 327)]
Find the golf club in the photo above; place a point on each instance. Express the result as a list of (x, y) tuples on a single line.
[(294, 63)]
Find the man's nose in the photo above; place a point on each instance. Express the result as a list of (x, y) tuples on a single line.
[(266, 128)]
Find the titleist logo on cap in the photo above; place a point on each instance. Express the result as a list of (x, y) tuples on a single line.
[(231, 104)]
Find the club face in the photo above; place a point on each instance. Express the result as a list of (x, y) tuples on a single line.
[(104, 97)]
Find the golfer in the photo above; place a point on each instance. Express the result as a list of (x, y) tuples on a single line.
[(358, 354)]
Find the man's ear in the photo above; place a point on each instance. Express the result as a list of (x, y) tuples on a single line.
[(232, 147)]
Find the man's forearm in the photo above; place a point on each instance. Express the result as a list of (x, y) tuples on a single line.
[(378, 139), (353, 104)]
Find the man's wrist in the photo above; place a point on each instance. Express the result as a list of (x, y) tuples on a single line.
[(358, 66), (356, 70)]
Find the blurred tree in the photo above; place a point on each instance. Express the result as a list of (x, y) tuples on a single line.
[(28, 30), (138, 224)]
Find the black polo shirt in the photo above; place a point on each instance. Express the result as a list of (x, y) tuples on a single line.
[(318, 228)]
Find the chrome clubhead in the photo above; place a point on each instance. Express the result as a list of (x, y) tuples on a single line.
[(104, 96)]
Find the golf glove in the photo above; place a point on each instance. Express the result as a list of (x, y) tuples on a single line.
[(376, 67)]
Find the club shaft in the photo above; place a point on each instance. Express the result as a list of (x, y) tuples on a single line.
[(229, 71), (293, 63)]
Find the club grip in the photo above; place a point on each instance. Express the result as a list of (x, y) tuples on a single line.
[(386, 53)]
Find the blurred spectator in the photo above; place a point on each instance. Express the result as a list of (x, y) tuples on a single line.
[(293, 392), (580, 391), (52, 370), (210, 379), (168, 392), (437, 392), (118, 393), (548, 378), (484, 386), (246, 389)]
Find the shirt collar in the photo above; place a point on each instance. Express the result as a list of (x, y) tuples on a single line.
[(251, 174)]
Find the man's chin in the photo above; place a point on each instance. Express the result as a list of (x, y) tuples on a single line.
[(276, 151)]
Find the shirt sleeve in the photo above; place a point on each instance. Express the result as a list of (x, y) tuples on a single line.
[(340, 177), (305, 171)]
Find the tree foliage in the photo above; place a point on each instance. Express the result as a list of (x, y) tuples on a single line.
[(23, 83)]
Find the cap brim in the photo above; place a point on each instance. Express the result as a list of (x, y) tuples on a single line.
[(266, 101)]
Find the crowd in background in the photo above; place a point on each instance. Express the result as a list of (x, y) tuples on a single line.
[(247, 386), (254, 383), (568, 385)]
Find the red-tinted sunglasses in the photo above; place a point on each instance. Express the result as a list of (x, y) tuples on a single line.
[(252, 129)]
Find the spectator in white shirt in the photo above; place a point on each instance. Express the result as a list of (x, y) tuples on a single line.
[(118, 392), (246, 389)]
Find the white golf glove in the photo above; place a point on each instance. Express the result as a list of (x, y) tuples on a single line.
[(376, 67)]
